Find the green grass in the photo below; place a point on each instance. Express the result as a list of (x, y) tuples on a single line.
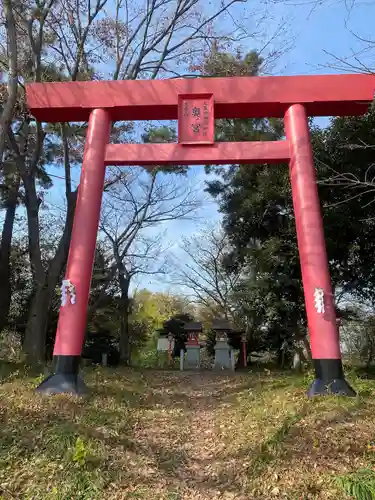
[(359, 485), (168, 436)]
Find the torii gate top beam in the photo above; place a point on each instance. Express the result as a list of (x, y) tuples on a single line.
[(236, 97)]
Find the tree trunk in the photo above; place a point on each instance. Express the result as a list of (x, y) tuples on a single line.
[(5, 251), (7, 111), (35, 335), (307, 347), (36, 328), (124, 344)]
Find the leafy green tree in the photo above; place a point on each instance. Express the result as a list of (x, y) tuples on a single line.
[(175, 326), (344, 156), (151, 316), (258, 218)]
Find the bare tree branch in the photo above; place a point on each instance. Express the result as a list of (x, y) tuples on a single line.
[(137, 203), (205, 275)]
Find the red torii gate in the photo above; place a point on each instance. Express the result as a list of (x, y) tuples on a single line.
[(196, 102)]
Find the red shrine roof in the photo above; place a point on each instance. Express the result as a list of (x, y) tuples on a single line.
[(236, 97)]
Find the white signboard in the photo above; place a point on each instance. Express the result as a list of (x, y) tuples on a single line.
[(163, 344)]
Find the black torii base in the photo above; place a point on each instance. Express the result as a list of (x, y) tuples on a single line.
[(65, 379), (329, 379)]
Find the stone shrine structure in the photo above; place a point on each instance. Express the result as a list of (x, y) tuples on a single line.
[(193, 348), (223, 351)]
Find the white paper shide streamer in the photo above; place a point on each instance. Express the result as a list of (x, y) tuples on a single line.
[(68, 290), (319, 300)]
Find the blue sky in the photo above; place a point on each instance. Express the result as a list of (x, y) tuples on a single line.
[(329, 29), (318, 32)]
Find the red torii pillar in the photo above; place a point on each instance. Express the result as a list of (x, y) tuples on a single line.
[(294, 98)]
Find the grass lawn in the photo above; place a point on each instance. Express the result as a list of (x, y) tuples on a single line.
[(169, 436)]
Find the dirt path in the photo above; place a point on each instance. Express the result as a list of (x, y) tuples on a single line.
[(186, 437)]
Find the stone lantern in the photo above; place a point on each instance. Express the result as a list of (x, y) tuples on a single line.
[(223, 354), (193, 348)]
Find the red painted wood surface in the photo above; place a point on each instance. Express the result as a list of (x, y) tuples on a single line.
[(237, 97), (72, 319), (323, 331), (196, 123), (192, 338), (221, 153)]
